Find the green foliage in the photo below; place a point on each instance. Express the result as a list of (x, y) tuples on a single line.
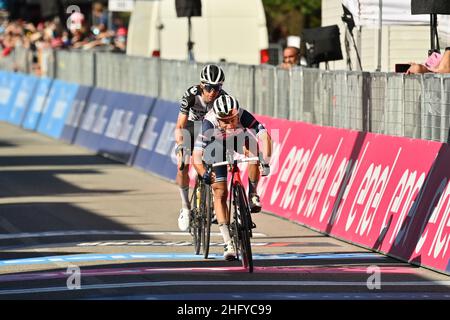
[(311, 7), (304, 6), (291, 16)]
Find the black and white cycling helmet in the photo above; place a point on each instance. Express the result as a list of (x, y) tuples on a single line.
[(225, 106), (212, 74)]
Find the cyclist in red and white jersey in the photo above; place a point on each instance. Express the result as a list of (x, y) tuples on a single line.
[(227, 127)]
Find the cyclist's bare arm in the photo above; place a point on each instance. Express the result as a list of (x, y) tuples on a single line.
[(181, 124), (197, 157), (250, 122), (266, 145)]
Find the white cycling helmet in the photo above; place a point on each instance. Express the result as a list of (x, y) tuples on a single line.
[(225, 106), (212, 74)]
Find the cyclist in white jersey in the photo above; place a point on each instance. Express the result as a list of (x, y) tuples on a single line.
[(225, 128), (195, 103)]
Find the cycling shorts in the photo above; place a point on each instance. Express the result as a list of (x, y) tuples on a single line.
[(190, 133)]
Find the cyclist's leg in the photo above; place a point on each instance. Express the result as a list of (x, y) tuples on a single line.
[(182, 181), (248, 145), (253, 179), (219, 188), (220, 193), (185, 211), (182, 178)]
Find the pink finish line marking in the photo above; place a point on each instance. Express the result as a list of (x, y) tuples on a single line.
[(143, 271)]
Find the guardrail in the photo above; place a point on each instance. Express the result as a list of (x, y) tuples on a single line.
[(368, 189), (415, 106)]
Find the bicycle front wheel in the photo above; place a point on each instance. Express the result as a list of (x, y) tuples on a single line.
[(196, 225), (243, 227), (207, 216)]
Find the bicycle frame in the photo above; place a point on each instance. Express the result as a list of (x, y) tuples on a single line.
[(235, 176)]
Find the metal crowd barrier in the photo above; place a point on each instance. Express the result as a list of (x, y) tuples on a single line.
[(118, 72), (415, 106), (75, 67), (19, 60)]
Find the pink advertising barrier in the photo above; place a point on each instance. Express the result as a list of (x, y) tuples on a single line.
[(387, 193)]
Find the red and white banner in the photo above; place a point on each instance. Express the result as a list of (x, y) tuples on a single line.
[(388, 193)]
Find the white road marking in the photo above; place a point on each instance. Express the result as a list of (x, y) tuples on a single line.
[(102, 232), (223, 283)]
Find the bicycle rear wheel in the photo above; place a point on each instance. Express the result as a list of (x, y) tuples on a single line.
[(243, 227)]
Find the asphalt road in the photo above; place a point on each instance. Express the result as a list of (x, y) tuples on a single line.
[(74, 225)]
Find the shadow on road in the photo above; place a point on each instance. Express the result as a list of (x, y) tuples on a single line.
[(28, 183), (6, 144), (53, 160), (40, 219)]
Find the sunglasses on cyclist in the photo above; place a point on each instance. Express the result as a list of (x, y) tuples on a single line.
[(211, 87), (222, 115)]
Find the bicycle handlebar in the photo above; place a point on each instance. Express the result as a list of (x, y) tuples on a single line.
[(235, 161)]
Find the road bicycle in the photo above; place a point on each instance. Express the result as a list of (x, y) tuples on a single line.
[(242, 225), (202, 206)]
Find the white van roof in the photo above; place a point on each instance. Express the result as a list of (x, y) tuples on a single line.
[(231, 30)]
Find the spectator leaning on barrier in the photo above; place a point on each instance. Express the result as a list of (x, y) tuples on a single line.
[(196, 102), (436, 63), (291, 57), (120, 40), (78, 32), (99, 18)]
